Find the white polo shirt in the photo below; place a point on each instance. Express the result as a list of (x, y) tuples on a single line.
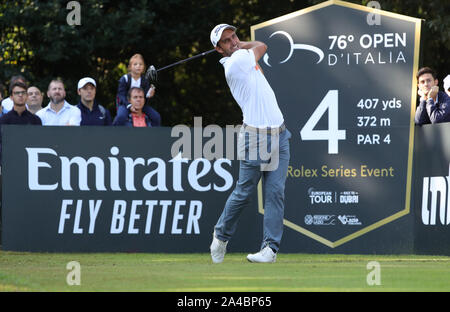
[(251, 90), (68, 115)]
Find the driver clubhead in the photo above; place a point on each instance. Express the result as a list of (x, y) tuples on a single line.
[(151, 74)]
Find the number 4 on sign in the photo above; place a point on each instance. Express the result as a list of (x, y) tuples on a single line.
[(333, 134)]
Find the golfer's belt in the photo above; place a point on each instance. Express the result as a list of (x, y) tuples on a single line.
[(268, 130)]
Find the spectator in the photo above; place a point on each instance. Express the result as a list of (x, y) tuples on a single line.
[(134, 116), (19, 115), (2, 93), (59, 112), (35, 98), (434, 106), (92, 113), (134, 78), (447, 85), (7, 103)]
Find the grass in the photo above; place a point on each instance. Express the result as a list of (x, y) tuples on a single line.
[(195, 273)]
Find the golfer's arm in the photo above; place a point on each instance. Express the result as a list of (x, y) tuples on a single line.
[(259, 48)]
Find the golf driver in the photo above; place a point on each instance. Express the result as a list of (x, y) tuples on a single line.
[(152, 72)]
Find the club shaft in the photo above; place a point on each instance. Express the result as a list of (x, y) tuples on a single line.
[(186, 60)]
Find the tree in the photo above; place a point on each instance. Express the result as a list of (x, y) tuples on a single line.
[(37, 41)]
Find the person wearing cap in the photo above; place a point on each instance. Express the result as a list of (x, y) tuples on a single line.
[(434, 105), (35, 98), (92, 113), (447, 85), (263, 125), (59, 112)]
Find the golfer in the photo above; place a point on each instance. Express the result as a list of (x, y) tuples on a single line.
[(263, 126)]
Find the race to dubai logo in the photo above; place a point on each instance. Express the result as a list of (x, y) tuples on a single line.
[(332, 197)]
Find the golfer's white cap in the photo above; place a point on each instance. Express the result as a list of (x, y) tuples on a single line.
[(217, 31), (447, 83), (86, 80)]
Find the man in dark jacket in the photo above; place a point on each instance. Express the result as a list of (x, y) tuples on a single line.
[(434, 105), (92, 113), (136, 114), (18, 115)]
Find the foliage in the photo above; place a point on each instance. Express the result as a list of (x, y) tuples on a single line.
[(37, 41)]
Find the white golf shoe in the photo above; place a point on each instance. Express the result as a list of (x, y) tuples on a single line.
[(265, 255), (218, 249)]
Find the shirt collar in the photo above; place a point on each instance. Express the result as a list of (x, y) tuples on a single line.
[(82, 106), (16, 113), (49, 107), (224, 59)]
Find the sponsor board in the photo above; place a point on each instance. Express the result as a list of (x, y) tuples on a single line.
[(436, 200), (346, 118), (102, 191), (432, 189)]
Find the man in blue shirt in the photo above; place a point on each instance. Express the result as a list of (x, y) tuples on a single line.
[(92, 113)]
